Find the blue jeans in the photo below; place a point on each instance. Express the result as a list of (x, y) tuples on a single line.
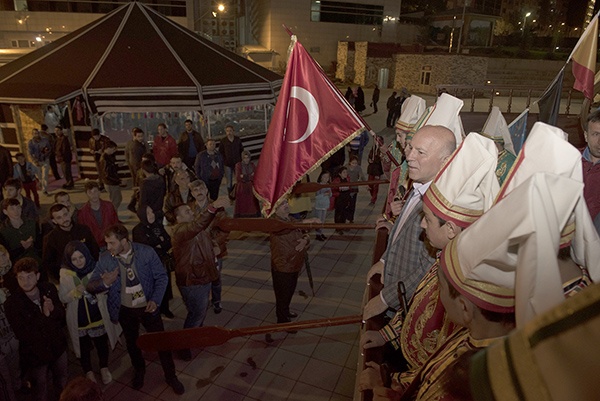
[(321, 215), (195, 298), (229, 176)]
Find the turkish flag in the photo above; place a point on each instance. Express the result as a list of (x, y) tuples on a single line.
[(311, 121)]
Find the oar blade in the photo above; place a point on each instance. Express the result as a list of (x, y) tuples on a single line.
[(181, 339)]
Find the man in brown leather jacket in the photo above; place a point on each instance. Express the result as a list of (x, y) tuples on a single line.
[(195, 262), (288, 253)]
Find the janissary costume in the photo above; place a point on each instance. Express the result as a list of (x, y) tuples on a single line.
[(546, 210), (547, 150), (462, 191), (495, 128), (497, 264), (549, 359)]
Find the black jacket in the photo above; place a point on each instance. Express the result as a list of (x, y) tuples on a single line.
[(42, 338), (109, 170)]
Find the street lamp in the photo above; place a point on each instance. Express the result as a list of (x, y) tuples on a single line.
[(215, 14), (525, 22)]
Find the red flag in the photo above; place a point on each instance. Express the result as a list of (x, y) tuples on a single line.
[(584, 60), (311, 121)]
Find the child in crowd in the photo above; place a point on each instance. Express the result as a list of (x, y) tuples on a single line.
[(342, 198), (322, 201), (28, 174), (355, 174), (87, 314)]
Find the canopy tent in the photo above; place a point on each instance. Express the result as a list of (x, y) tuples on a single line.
[(135, 59)]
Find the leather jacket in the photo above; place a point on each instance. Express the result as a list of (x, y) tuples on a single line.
[(195, 262)]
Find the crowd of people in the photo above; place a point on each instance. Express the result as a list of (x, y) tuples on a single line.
[(80, 274)]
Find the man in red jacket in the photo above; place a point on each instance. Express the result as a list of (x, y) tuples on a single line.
[(97, 213), (164, 146)]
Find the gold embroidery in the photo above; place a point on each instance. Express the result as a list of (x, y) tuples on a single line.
[(416, 349)]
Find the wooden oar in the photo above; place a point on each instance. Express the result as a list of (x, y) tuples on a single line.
[(210, 336), (304, 187), (275, 225)]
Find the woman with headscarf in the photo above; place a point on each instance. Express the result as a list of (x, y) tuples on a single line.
[(87, 315), (150, 231), (246, 204), (359, 103), (350, 97)]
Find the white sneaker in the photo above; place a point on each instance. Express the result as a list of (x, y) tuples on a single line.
[(106, 376), (90, 375)]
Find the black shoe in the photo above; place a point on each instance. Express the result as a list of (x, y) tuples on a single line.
[(291, 331), (217, 308), (176, 385), (168, 314), (292, 315), (320, 238), (323, 237), (138, 379), (131, 208), (185, 355)]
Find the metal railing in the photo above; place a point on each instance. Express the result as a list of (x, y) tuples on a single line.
[(510, 99)]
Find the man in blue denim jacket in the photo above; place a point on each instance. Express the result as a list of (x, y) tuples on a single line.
[(136, 282)]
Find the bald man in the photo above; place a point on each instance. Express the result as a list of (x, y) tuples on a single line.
[(408, 257)]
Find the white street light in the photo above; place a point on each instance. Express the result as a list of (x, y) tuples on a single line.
[(525, 21)]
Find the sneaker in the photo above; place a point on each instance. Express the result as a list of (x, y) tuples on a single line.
[(176, 385), (138, 379), (218, 308), (106, 376), (90, 375)]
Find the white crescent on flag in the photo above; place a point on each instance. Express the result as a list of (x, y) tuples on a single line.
[(312, 107)]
